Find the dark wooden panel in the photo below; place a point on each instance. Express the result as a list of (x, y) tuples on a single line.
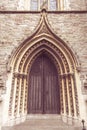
[(43, 88), (35, 87), (51, 91)]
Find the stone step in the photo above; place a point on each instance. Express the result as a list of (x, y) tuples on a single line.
[(42, 123), (41, 128)]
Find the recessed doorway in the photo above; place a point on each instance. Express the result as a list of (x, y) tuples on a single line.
[(43, 90)]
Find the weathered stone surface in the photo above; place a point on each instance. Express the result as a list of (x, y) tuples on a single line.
[(78, 5), (8, 5), (15, 28), (41, 124), (72, 29)]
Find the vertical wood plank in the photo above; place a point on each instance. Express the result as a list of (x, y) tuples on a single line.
[(44, 89)]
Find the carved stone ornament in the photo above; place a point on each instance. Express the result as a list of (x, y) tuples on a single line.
[(44, 40), (2, 90)]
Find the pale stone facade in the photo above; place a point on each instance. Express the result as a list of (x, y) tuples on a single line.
[(16, 30)]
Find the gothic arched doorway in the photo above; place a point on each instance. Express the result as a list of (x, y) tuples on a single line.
[(43, 92), (58, 90)]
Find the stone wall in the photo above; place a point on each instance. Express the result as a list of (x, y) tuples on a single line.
[(77, 4), (72, 29), (8, 4), (15, 28)]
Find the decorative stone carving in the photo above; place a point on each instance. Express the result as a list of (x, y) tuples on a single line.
[(2, 90), (85, 84), (83, 79), (44, 40)]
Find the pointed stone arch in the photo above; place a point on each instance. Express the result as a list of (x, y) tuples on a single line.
[(43, 39)]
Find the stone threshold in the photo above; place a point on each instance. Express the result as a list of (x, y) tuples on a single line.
[(43, 116)]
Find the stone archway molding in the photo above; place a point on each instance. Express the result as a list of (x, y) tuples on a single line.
[(43, 39)]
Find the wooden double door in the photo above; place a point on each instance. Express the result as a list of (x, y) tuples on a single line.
[(43, 92)]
